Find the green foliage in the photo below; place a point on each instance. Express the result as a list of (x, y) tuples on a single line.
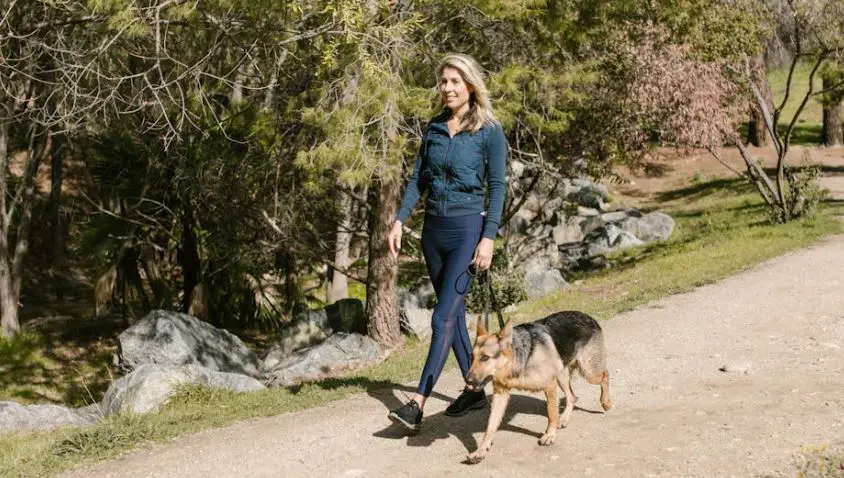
[(507, 282)]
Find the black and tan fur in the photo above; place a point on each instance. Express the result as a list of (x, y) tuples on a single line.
[(538, 356)]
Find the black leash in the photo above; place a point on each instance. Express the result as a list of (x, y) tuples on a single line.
[(486, 276)]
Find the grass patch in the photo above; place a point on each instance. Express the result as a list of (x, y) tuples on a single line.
[(819, 461), (720, 230), (59, 366), (807, 130)]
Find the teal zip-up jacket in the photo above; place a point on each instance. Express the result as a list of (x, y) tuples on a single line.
[(452, 170)]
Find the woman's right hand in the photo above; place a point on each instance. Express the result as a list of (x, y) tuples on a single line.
[(394, 238)]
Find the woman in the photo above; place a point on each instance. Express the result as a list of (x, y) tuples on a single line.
[(462, 147)]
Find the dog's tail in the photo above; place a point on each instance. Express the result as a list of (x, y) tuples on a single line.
[(591, 362)]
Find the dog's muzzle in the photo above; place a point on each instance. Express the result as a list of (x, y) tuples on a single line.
[(475, 385)]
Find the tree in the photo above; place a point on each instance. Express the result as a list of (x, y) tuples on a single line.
[(833, 78)]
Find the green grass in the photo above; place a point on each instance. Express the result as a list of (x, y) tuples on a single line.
[(720, 230)]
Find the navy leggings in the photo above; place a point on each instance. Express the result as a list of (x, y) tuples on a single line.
[(448, 244)]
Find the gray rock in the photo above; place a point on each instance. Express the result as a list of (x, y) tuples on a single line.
[(346, 315), (416, 322), (422, 296), (588, 198), (590, 224), (339, 352), (570, 231), (151, 386), (654, 226), (587, 211), (617, 216), (517, 168), (308, 328), (741, 368), (174, 339), (17, 417), (551, 206), (541, 278), (539, 231), (625, 240)]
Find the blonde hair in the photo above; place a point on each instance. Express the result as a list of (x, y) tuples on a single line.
[(480, 108)]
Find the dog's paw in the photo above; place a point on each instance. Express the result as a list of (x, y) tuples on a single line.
[(475, 457), (606, 405), (548, 439)]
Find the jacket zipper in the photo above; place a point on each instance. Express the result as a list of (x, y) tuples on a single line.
[(445, 170)]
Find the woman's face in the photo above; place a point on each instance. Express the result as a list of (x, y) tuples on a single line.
[(454, 90)]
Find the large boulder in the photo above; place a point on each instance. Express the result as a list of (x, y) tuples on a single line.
[(347, 315), (416, 322), (151, 386), (541, 278), (339, 352), (654, 226), (173, 339), (308, 328), (17, 417)]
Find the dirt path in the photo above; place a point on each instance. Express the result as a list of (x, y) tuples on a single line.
[(674, 413)]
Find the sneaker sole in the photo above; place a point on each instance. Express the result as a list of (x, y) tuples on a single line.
[(476, 406), (397, 419)]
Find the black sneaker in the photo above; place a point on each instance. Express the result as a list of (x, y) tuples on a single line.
[(408, 415), (468, 400)]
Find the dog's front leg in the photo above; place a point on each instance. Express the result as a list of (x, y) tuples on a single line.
[(553, 415), (496, 414)]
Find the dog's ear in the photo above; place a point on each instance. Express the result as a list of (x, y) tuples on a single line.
[(481, 329), (505, 335)]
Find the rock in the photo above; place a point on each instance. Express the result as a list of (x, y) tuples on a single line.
[(552, 206), (308, 328), (625, 240), (587, 211), (420, 297), (174, 339), (150, 386), (517, 168), (518, 224), (604, 236), (539, 231), (541, 278), (346, 315), (416, 322), (617, 216), (654, 226), (570, 231), (339, 352), (588, 198), (742, 368), (17, 417), (590, 224)]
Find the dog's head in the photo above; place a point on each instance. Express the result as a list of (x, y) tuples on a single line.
[(491, 354)]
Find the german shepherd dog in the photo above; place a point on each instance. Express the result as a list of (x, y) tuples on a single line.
[(538, 356)]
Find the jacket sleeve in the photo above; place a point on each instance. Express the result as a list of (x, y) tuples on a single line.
[(496, 152), (413, 192)]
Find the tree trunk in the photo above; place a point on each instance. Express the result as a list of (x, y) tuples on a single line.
[(162, 298), (381, 298), (57, 239), (757, 132), (12, 254), (832, 134), (339, 286), (188, 257)]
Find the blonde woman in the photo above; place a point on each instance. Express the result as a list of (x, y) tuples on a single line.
[(461, 160)]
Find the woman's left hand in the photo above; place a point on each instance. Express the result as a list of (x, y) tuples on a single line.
[(483, 254)]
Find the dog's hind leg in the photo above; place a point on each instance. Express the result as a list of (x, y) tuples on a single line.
[(553, 415), (564, 379), (496, 414)]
